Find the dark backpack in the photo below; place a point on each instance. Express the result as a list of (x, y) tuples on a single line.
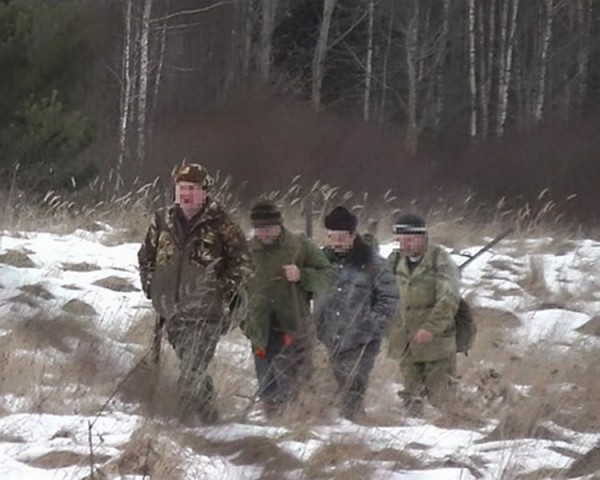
[(466, 328)]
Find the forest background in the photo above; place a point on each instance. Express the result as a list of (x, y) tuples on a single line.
[(493, 100)]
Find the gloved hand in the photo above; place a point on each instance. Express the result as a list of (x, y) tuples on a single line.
[(287, 340), (261, 352)]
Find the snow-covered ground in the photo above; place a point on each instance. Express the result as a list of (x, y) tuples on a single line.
[(49, 276)]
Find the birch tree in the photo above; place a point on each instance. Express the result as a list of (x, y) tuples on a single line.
[(126, 92), (472, 69), (320, 54), (268, 10), (144, 73), (368, 64), (543, 61), (508, 25)]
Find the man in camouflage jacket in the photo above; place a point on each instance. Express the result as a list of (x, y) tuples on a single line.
[(193, 263), (351, 318), (288, 269), (424, 338)]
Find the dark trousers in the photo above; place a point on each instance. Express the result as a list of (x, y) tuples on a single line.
[(195, 343), (351, 369), (281, 374)]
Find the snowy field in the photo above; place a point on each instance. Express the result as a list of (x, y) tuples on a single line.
[(73, 324)]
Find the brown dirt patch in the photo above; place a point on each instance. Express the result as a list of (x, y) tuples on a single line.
[(37, 290), (79, 308), (63, 459), (117, 284), (80, 267), (591, 327), (586, 465), (16, 258)]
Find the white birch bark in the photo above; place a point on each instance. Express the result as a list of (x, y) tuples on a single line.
[(368, 64), (125, 95), (543, 61), (142, 99), (503, 33), (472, 70), (412, 61), (503, 90), (320, 54)]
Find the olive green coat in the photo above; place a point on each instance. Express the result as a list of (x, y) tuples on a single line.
[(429, 297), (272, 298)]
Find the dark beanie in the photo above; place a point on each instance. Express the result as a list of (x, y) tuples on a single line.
[(264, 214), (341, 218), (410, 223)]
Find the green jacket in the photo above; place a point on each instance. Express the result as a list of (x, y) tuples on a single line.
[(429, 297), (193, 269), (275, 302)]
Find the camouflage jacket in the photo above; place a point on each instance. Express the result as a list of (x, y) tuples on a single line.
[(193, 269), (429, 297), (275, 302), (364, 299)]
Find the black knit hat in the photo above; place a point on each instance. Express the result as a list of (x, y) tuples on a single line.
[(341, 218), (410, 223), (264, 214)]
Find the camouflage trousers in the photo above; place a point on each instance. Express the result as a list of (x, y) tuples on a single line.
[(432, 380), (195, 343), (352, 369)]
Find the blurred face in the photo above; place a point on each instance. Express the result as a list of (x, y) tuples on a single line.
[(341, 241), (412, 244), (191, 197), (267, 234)]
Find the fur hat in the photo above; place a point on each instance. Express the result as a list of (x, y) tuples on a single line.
[(265, 214), (340, 218), (410, 223), (195, 173)]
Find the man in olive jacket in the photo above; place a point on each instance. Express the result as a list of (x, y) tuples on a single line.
[(351, 318), (193, 263), (288, 269), (424, 338)]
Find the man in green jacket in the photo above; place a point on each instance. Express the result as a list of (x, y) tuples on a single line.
[(424, 337), (288, 269), (193, 263)]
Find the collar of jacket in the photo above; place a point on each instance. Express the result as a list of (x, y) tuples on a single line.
[(257, 245), (210, 211), (360, 254)]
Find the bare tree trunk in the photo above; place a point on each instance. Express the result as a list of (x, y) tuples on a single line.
[(499, 127), (125, 96), (503, 88), (412, 66), (584, 21), (369, 64), (543, 62), (439, 70), (471, 20), (318, 64), (143, 81), (248, 16), (269, 8), (159, 65), (386, 57), (486, 44)]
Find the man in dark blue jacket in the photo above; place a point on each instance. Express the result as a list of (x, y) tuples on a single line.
[(351, 318)]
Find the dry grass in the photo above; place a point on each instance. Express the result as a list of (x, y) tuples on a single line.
[(562, 386)]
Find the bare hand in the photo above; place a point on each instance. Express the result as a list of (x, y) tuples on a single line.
[(423, 336), (292, 273)]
